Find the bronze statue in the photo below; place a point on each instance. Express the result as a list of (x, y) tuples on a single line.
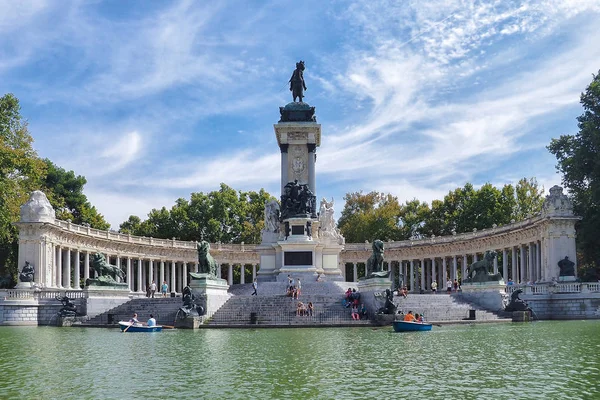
[(206, 263), (297, 200), (27, 273), (107, 273), (189, 308), (389, 307), (297, 85), (480, 271), (374, 266), (567, 267), (68, 307), (516, 304)]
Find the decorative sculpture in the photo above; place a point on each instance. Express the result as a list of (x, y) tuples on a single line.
[(297, 84), (327, 228), (567, 267), (27, 273), (374, 266), (68, 307), (516, 304), (389, 307), (189, 308), (271, 216), (206, 263), (297, 201), (479, 271), (107, 273)]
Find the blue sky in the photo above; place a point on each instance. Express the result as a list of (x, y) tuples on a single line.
[(153, 100)]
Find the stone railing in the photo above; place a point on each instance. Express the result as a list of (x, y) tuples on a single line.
[(559, 288), (27, 294)]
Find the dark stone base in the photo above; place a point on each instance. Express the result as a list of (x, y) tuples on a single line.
[(70, 321), (521, 316), (190, 322), (383, 319)]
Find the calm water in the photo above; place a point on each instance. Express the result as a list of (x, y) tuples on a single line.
[(551, 360)]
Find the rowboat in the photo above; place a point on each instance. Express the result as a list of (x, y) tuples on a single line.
[(405, 326), (138, 328)]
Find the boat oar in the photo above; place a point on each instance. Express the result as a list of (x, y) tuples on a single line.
[(125, 330), (168, 326)]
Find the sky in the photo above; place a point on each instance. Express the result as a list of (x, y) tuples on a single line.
[(154, 100)]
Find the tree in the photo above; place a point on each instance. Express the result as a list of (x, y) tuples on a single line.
[(224, 215), (530, 198), (20, 171), (579, 162), (65, 192)]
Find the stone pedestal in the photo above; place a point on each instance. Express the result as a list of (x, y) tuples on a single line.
[(192, 322), (489, 295), (367, 289), (521, 316), (99, 299), (211, 293)]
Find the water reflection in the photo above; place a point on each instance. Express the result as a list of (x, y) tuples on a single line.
[(542, 359)]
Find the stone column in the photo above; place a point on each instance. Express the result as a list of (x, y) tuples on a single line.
[(355, 270), (150, 270), (433, 272), (162, 273), (86, 266), (129, 275), (505, 265), (180, 278), (463, 268), (284, 165), (423, 274), (196, 266), (454, 268), (139, 276), (312, 157), (496, 264), (172, 284), (539, 260), (412, 275), (475, 257), (242, 273), (67, 270), (254, 272), (530, 262), (513, 265), (230, 275), (522, 277), (144, 277), (185, 274), (77, 274), (219, 274), (59, 267), (118, 266), (444, 273)]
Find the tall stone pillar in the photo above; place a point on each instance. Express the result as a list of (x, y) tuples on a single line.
[(505, 265), (119, 266), (150, 270), (67, 270), (253, 272), (139, 276), (162, 272), (230, 275), (86, 266), (172, 285), (355, 271), (495, 265), (522, 264), (514, 264), (530, 262), (59, 267), (463, 268), (412, 275), (242, 273), (538, 247), (185, 274), (423, 267), (129, 275), (444, 272), (77, 276), (454, 268)]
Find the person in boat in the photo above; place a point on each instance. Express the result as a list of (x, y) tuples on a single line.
[(134, 319), (151, 321), (410, 317), (418, 318)]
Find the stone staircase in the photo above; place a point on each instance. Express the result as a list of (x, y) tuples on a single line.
[(163, 309), (442, 307)]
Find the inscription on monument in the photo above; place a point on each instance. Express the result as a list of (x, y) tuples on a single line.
[(297, 258)]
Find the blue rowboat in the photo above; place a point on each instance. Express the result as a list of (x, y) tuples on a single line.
[(138, 328), (405, 326)]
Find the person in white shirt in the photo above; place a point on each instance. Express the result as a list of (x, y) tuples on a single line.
[(151, 321)]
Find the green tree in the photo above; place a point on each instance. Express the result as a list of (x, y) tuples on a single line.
[(224, 215), (20, 172), (579, 162), (530, 197), (65, 192)]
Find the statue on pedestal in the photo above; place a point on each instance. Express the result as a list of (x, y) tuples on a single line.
[(567, 267), (107, 273), (389, 307), (189, 308), (68, 307), (516, 304), (374, 266), (480, 271), (271, 216), (207, 266), (327, 228), (297, 85), (297, 201), (27, 273)]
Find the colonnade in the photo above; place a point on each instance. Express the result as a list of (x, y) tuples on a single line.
[(521, 263)]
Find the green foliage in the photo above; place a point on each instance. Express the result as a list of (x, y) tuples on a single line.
[(224, 215), (377, 216), (65, 192), (579, 161), (20, 171)]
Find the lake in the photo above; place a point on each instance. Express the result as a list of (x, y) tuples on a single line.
[(547, 359)]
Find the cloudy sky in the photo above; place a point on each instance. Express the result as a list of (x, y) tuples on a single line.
[(153, 100)]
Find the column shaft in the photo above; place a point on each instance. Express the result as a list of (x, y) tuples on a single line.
[(77, 276)]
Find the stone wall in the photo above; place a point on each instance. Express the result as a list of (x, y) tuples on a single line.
[(565, 306)]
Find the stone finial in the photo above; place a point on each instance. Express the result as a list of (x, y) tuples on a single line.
[(37, 209), (557, 204)]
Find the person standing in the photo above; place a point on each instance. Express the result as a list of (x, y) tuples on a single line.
[(254, 286), (298, 288), (152, 289), (434, 287), (449, 286), (164, 288)]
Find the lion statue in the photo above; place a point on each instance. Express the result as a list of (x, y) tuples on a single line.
[(206, 263), (374, 266), (479, 271), (516, 304), (106, 272)]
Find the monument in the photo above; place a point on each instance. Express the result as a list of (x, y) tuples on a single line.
[(298, 239)]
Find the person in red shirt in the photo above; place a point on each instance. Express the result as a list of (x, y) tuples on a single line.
[(409, 317)]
